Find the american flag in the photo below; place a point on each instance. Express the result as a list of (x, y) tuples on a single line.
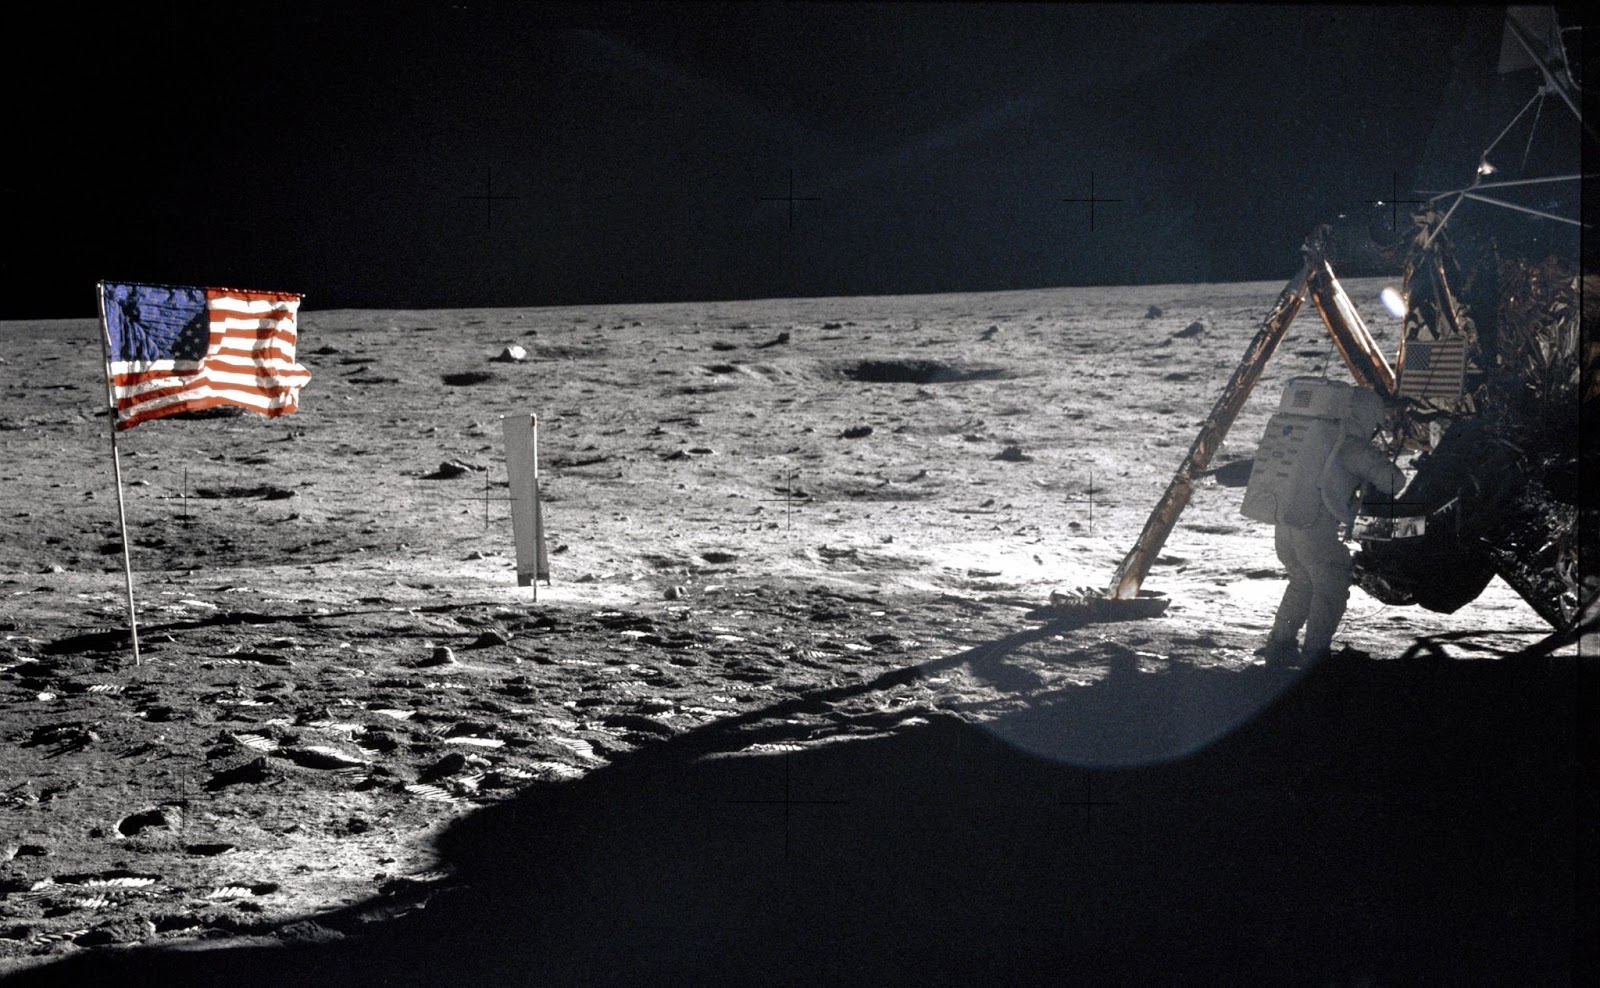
[(1433, 369), (175, 349)]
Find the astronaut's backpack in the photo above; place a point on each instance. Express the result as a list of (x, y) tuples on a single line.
[(1299, 438)]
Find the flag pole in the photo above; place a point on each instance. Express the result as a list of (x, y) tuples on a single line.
[(116, 466)]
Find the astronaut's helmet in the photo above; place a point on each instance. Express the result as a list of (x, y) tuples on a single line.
[(1365, 413)]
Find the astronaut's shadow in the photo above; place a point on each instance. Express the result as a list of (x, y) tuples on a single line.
[(1338, 835)]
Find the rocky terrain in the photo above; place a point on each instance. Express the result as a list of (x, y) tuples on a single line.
[(791, 702)]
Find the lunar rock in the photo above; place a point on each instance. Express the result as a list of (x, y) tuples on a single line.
[(442, 655), (451, 469)]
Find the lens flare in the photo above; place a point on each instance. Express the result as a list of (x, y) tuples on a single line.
[(1394, 302)]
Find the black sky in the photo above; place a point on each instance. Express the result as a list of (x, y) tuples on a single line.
[(334, 149)]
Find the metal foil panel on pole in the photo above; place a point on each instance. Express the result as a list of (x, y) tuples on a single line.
[(527, 517)]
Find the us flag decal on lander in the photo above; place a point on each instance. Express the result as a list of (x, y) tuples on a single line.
[(1433, 369)]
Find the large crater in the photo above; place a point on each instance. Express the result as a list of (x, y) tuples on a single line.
[(909, 371)]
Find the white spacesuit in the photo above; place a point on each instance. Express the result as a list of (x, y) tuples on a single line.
[(1311, 465)]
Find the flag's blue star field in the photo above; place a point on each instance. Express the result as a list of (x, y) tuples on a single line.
[(162, 324)]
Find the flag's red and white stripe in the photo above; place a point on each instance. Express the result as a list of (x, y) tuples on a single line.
[(249, 361)]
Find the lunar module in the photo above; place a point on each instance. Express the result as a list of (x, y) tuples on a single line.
[(1498, 365), (1487, 393)]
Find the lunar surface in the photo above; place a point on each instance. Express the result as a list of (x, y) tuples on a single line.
[(788, 711)]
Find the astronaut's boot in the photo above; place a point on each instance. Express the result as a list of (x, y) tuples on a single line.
[(1280, 648)]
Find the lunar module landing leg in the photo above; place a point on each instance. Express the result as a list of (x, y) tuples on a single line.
[(1355, 344)]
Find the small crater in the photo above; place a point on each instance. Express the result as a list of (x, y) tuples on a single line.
[(208, 850), (135, 823), (466, 378), (216, 412)]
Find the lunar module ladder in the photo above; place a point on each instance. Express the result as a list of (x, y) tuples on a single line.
[(1354, 343)]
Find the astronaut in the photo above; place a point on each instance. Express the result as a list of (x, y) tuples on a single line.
[(1307, 536)]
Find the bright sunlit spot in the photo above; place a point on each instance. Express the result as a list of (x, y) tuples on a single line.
[(1394, 302)]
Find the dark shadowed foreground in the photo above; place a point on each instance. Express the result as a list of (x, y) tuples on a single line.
[(1416, 821)]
